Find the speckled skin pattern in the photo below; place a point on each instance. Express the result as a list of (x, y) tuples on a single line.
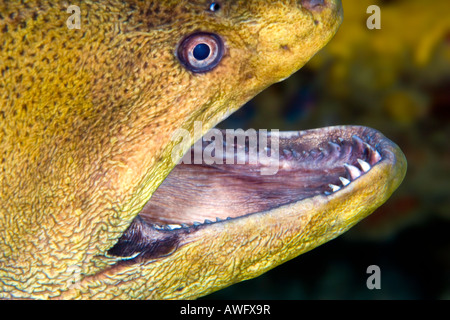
[(86, 120)]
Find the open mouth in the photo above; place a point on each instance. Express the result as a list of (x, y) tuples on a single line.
[(319, 162)]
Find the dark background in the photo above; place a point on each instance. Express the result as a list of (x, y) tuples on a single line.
[(396, 80)]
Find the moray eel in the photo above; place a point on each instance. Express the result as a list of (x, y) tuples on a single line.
[(91, 205)]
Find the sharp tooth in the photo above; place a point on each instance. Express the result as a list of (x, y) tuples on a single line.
[(353, 171), (218, 219), (364, 165), (368, 146), (344, 181), (174, 226), (334, 187), (196, 223), (375, 157), (208, 221)]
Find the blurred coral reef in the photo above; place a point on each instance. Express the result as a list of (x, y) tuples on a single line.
[(397, 80)]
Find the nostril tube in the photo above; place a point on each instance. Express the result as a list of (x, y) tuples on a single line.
[(313, 4)]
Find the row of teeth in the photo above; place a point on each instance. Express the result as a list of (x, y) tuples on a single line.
[(354, 173), (169, 227)]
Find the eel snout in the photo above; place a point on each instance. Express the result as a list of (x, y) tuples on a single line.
[(231, 177)]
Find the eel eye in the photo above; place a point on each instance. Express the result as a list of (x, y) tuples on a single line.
[(201, 52), (214, 7)]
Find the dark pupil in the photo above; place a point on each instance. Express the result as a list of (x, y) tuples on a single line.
[(201, 51), (214, 7)]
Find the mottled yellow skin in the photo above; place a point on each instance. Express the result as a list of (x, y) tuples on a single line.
[(86, 120)]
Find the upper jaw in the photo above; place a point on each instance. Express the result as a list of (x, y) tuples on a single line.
[(325, 164)]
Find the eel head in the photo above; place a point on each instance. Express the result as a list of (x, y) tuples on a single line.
[(92, 201)]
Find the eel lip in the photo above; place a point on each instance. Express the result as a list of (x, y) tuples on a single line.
[(326, 163)]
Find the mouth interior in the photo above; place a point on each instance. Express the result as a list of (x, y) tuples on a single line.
[(304, 164)]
